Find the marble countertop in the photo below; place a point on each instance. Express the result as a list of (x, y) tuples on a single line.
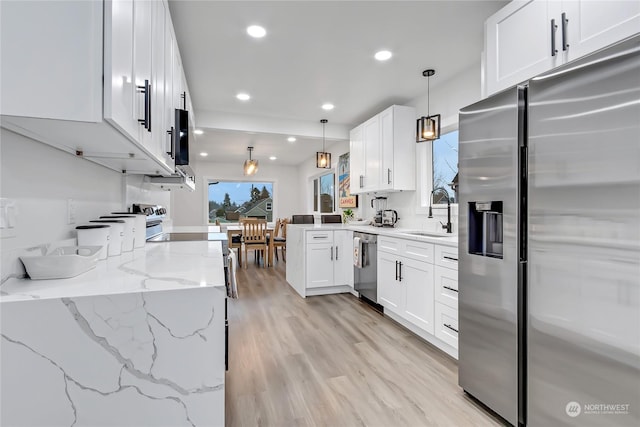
[(402, 233), (156, 267)]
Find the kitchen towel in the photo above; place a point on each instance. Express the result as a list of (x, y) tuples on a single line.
[(357, 252), (232, 288)]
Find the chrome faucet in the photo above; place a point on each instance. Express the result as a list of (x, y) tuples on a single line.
[(448, 225)]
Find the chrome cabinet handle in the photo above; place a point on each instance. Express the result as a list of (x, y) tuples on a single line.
[(361, 181), (320, 237), (451, 289), (388, 176), (451, 327), (554, 51), (331, 253), (565, 21)]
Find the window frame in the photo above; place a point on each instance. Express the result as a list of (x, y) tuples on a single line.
[(424, 173), (312, 200), (207, 180)]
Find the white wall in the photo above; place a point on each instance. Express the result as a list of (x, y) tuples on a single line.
[(40, 179), (447, 98), (191, 208), (307, 171)]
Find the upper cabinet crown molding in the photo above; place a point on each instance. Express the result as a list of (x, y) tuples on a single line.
[(382, 152), (526, 38), (111, 103)]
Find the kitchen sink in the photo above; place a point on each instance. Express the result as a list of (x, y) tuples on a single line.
[(429, 234)]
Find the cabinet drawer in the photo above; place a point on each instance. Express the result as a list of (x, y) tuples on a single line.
[(389, 244), (447, 324), (318, 236), (420, 251), (446, 285), (446, 256)]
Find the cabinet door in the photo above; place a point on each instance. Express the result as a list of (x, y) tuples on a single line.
[(142, 48), (51, 59), (417, 278), (120, 93), (371, 132), (519, 42), (387, 149), (320, 265), (169, 107), (391, 293), (356, 160), (593, 25), (158, 81), (343, 257)]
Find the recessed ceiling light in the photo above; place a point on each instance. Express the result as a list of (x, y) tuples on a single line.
[(383, 55), (203, 154), (198, 132), (256, 31), (243, 96), (291, 139), (327, 106), (272, 158)]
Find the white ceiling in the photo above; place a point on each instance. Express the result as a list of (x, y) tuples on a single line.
[(314, 52)]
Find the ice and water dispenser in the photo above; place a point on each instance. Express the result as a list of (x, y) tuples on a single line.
[(485, 229)]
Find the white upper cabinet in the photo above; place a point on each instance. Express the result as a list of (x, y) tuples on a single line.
[(397, 130), (57, 94), (526, 38), (593, 25), (383, 151)]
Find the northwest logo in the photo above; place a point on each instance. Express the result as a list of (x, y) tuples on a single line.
[(573, 409)]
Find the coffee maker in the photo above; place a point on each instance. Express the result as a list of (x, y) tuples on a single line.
[(379, 204)]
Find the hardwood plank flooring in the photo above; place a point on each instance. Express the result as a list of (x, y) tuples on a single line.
[(332, 361)]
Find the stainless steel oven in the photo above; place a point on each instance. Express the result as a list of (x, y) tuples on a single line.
[(365, 267)]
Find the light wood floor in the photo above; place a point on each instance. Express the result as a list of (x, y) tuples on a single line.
[(332, 361)]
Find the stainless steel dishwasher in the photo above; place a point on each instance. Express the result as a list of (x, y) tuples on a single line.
[(365, 268)]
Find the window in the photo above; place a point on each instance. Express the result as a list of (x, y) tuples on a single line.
[(445, 166), (437, 163), (231, 200), (323, 193)]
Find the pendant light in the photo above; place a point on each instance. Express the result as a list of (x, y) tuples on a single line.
[(428, 127), (250, 166), (323, 159)]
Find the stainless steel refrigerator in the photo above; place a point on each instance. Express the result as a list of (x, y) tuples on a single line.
[(549, 280)]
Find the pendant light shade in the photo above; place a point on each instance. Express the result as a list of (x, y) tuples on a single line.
[(323, 159), (250, 166), (428, 127)]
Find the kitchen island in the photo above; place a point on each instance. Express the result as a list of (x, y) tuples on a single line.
[(139, 340)]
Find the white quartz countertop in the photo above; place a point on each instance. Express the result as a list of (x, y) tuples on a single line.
[(401, 233), (156, 267)]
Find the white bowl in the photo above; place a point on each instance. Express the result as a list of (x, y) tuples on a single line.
[(62, 263)]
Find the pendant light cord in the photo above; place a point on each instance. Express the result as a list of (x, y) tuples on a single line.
[(428, 96)]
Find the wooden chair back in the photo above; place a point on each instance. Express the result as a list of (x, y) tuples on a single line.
[(254, 231)]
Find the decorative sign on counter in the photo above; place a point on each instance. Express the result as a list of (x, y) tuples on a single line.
[(347, 200)]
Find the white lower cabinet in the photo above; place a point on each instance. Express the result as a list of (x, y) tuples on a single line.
[(405, 285), (418, 286), (319, 261)]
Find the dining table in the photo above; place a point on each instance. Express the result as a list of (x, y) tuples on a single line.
[(236, 230)]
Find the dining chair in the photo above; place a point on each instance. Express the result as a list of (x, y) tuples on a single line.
[(302, 219), (235, 242), (280, 238), (331, 219), (254, 236)]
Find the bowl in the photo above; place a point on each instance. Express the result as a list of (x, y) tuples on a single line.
[(62, 263)]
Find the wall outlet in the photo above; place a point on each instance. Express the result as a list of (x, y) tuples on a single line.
[(71, 211)]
